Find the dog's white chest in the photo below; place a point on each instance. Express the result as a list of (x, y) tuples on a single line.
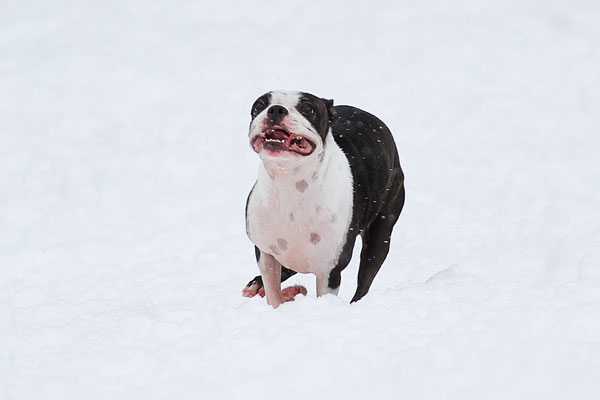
[(302, 219)]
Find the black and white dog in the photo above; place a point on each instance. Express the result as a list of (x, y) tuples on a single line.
[(328, 173)]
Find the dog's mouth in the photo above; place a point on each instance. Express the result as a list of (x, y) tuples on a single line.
[(276, 140)]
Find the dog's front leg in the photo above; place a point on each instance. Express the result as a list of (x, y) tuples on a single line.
[(270, 269)]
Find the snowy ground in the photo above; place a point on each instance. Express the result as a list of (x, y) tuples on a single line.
[(124, 169)]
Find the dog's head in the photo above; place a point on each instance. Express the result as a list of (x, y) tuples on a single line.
[(290, 125)]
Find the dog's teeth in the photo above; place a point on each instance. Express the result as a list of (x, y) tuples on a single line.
[(299, 137)]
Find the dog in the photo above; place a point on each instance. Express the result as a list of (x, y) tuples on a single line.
[(327, 174)]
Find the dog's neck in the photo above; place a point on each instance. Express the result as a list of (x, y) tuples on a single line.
[(297, 175)]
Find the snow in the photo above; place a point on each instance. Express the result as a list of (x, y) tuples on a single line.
[(124, 168)]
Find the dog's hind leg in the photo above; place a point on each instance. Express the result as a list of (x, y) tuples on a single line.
[(330, 283), (376, 240)]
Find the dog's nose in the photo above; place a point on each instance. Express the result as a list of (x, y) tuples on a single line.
[(276, 113)]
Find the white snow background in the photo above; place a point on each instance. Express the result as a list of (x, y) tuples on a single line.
[(125, 166)]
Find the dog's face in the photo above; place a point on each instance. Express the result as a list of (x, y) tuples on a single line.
[(290, 125)]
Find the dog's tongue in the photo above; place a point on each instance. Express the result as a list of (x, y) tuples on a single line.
[(299, 145)]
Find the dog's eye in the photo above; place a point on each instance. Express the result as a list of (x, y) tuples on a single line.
[(258, 107), (307, 108)]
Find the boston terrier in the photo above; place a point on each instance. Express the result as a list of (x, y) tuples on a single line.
[(328, 173)]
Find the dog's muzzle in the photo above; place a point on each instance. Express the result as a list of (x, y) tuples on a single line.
[(276, 140)]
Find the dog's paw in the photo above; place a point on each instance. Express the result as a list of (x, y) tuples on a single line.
[(253, 290), (290, 292)]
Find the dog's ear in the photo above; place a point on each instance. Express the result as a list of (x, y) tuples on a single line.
[(332, 115)]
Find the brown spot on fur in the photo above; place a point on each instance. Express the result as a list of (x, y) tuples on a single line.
[(315, 238), (282, 243), (291, 217), (301, 186)]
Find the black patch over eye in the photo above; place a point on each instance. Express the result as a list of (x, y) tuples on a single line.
[(307, 108), (258, 106)]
